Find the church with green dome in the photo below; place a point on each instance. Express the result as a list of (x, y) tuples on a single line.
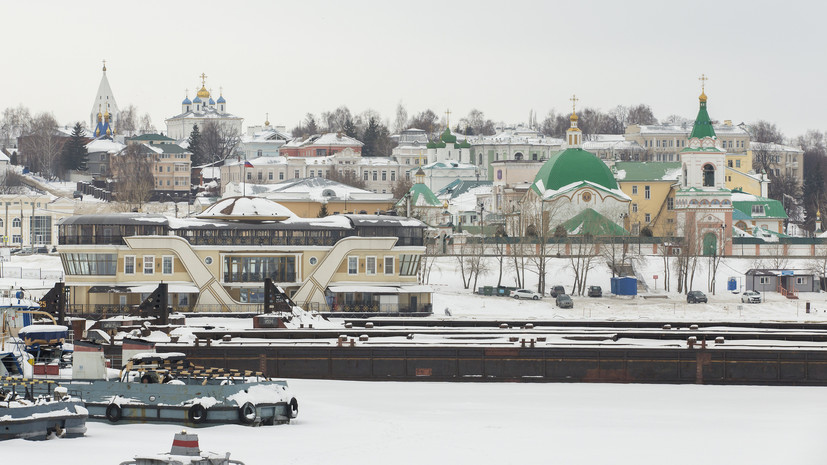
[(575, 181)]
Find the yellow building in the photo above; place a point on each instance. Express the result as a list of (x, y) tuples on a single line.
[(651, 186), (218, 261)]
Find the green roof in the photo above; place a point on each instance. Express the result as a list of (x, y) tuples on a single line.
[(151, 137), (570, 166), (592, 223), (458, 187), (422, 196), (447, 137), (703, 126), (170, 148), (634, 171), (772, 208)]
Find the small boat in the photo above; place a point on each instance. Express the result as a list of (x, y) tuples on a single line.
[(185, 451), (165, 387), (26, 415)]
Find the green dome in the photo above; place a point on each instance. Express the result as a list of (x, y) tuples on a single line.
[(570, 166), (447, 137)]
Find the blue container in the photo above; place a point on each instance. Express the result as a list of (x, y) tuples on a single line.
[(732, 284), (625, 285)]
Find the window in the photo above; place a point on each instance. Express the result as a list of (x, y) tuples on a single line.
[(249, 176), (149, 264), (370, 266), (129, 264), (729, 163), (757, 209), (737, 163), (634, 208), (260, 176), (352, 265), (409, 265), (393, 178), (764, 280), (647, 217), (270, 176), (167, 264), (16, 239), (295, 174), (281, 175), (15, 223), (375, 175), (647, 194), (99, 264), (311, 173), (634, 190), (709, 175), (384, 175), (670, 203), (366, 175), (388, 265), (257, 269)]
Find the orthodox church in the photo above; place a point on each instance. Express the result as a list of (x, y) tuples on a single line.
[(201, 110), (703, 205), (104, 109), (575, 184)]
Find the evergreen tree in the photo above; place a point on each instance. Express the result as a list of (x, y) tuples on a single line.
[(194, 142), (322, 211), (13, 159), (369, 138), (349, 128), (74, 155)]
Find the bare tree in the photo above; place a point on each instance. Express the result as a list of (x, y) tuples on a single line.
[(132, 169), (401, 187), (219, 141), (41, 146), (764, 131), (146, 125), (818, 264), (346, 176), (13, 183), (127, 121), (15, 123), (401, 118), (581, 260), (540, 226)]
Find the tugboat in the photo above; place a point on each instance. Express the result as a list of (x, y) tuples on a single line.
[(185, 451), (26, 415)]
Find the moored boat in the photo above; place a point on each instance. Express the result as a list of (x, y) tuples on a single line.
[(185, 450), (27, 415)]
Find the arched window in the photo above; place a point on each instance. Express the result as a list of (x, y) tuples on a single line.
[(480, 159), (709, 175), (15, 223), (518, 156)]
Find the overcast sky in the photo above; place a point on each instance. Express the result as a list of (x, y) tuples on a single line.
[(765, 60)]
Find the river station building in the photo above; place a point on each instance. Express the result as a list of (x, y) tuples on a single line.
[(218, 261)]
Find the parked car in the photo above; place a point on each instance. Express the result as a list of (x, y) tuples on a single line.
[(595, 291), (694, 297), (557, 290), (525, 294), (564, 301), (751, 297), (77, 195)]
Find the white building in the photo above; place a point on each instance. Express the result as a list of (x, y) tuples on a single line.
[(202, 110)]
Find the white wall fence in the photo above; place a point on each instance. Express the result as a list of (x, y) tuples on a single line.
[(17, 272)]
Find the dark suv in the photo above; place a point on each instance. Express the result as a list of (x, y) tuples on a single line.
[(557, 290), (595, 291), (694, 297)]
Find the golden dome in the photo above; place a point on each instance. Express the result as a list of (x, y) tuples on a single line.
[(573, 117), (702, 97), (203, 92)]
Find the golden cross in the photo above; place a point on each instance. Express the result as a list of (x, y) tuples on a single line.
[(203, 79), (448, 118), (574, 100), (104, 65), (703, 80)]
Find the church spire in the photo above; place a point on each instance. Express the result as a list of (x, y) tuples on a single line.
[(574, 137), (703, 125)]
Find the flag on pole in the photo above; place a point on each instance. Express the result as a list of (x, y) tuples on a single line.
[(247, 164)]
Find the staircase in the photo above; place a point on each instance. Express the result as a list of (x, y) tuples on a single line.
[(629, 270), (788, 293)]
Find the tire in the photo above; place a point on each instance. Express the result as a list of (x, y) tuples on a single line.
[(114, 413), (536, 297), (247, 413), (516, 297), (197, 414), (294, 407)]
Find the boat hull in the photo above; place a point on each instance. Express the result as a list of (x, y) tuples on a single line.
[(35, 422)]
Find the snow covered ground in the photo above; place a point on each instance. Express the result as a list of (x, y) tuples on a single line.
[(346, 422)]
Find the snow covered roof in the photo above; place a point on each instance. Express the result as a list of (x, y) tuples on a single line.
[(104, 145), (205, 113), (776, 148), (327, 139), (248, 209)]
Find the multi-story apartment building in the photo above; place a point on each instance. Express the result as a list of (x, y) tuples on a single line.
[(219, 260), (779, 160)]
